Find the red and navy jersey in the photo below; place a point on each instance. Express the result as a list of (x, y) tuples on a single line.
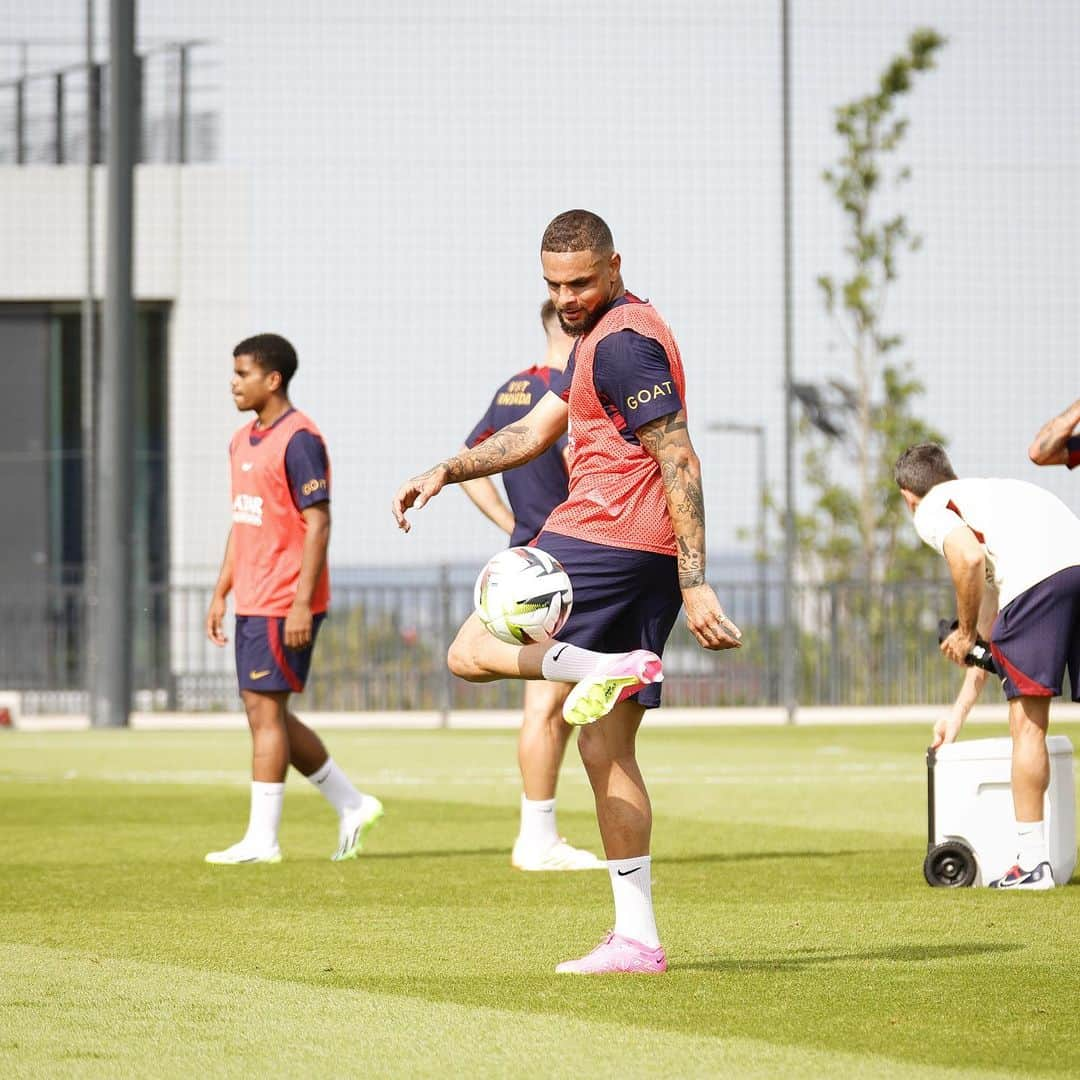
[(307, 464), (632, 376), (538, 486), (269, 527), (1072, 444), (616, 494)]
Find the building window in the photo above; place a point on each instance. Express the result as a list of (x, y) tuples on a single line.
[(42, 466)]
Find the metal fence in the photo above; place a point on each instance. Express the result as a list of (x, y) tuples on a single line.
[(384, 646), (47, 116)]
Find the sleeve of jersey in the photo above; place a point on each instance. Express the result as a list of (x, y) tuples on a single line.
[(308, 469), (1072, 444), (634, 374), (484, 429), (561, 380), (934, 520)]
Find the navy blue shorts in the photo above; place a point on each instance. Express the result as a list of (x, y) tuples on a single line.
[(263, 663), (1036, 637), (623, 599)]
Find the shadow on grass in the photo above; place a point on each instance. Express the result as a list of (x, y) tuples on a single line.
[(810, 957), (441, 853), (663, 860), (766, 856)]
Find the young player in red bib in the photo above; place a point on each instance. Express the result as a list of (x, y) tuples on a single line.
[(275, 567), (1013, 551), (631, 535)]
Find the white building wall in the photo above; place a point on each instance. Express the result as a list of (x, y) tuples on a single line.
[(397, 162)]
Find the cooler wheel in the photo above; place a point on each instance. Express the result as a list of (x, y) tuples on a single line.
[(950, 865)]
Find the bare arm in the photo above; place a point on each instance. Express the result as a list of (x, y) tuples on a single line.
[(949, 725), (216, 613), (312, 562), (509, 447), (486, 498), (1048, 447), (967, 565), (667, 441)]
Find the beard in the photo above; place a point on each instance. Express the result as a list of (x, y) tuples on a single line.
[(582, 328)]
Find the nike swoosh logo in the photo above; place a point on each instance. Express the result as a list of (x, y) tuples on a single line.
[(559, 653), (624, 873), (259, 674), (247, 466)]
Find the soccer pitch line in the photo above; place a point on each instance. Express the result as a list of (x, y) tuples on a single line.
[(502, 720), (688, 776)]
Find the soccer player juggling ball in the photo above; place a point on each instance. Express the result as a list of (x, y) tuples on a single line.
[(275, 567), (631, 535), (1009, 545)]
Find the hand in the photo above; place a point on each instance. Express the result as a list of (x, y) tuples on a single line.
[(948, 726), (707, 621), (298, 626), (416, 492), (214, 619), (957, 646)]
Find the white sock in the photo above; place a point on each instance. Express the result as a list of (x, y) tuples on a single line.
[(538, 829), (336, 787), (631, 885), (1034, 848), (266, 803), (569, 663)]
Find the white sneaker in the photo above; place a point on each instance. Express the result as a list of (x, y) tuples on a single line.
[(243, 852), (560, 856), (1042, 877), (355, 825)]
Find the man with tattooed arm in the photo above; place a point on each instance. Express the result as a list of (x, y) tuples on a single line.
[(1057, 442), (631, 535)]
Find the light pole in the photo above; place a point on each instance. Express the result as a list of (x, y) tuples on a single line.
[(110, 701), (788, 690), (758, 431)]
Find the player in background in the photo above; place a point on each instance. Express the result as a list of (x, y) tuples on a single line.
[(1011, 543), (631, 535), (534, 490), (275, 567), (1057, 442)]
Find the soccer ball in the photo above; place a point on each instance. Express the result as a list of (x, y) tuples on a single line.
[(523, 595)]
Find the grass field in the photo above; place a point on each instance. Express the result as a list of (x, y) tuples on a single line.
[(787, 879)]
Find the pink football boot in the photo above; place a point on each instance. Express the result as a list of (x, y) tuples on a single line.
[(618, 955), (612, 681)]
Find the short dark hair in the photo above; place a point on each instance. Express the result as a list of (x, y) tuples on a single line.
[(272, 353), (921, 467), (578, 230)]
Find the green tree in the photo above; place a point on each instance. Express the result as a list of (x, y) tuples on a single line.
[(856, 425)]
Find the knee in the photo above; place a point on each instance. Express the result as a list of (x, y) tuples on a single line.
[(1028, 724), (461, 660), (263, 712), (593, 750)]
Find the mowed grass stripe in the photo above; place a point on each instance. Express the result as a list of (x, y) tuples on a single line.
[(72, 1015), (794, 919)]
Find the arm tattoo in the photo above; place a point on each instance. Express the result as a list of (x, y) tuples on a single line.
[(691, 572), (506, 449), (667, 441)]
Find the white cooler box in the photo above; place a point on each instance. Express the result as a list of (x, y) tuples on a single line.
[(971, 825)]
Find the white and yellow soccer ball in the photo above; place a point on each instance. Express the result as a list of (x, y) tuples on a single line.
[(523, 595)]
